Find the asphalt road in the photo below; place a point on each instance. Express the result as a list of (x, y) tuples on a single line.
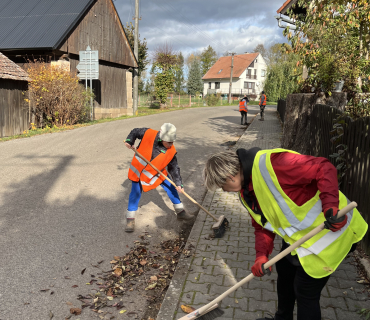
[(63, 197)]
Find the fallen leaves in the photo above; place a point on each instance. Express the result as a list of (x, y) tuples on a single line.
[(187, 309), (75, 311), (128, 273)]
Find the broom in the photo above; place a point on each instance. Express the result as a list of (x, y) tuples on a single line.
[(219, 228), (211, 310)]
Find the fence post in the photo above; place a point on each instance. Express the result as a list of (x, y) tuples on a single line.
[(189, 100), (221, 100), (171, 99), (179, 100)]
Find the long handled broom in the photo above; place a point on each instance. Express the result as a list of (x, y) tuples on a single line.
[(219, 228), (211, 310)]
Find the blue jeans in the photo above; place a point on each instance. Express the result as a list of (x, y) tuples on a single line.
[(135, 195)]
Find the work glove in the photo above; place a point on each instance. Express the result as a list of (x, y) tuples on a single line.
[(332, 222), (258, 269)]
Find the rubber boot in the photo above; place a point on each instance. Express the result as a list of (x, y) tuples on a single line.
[(181, 213), (130, 221), (130, 225)]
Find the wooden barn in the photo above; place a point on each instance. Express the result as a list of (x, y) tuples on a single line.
[(14, 115), (57, 31)]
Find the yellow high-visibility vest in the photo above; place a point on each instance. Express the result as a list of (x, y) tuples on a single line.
[(320, 255)]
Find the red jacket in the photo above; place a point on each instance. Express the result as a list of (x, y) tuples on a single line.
[(300, 177)]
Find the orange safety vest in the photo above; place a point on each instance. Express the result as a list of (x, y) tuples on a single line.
[(243, 106), (143, 172), (264, 102)]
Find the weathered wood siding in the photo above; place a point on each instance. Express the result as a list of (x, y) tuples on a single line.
[(13, 109), (101, 29), (110, 90)]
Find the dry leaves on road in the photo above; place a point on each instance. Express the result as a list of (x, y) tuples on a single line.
[(128, 273)]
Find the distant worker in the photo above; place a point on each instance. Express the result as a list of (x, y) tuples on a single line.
[(243, 109), (263, 100)]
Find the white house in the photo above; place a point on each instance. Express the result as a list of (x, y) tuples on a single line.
[(249, 74)]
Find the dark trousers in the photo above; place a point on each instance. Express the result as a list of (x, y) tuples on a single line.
[(244, 115), (293, 284), (262, 109)]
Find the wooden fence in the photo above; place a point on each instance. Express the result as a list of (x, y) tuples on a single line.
[(356, 181), (13, 109), (281, 105)]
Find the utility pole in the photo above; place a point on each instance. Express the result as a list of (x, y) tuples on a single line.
[(136, 53), (231, 75)]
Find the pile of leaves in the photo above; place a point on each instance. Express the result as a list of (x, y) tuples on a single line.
[(140, 269)]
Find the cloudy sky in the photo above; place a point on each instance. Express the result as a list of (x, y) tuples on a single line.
[(192, 25)]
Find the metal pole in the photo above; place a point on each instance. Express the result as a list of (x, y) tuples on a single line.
[(231, 75), (91, 101), (136, 53)]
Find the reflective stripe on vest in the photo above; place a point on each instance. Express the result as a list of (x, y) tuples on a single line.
[(243, 106), (143, 172), (264, 101), (320, 255)]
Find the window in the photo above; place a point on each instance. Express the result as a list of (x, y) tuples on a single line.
[(248, 85), (209, 85), (219, 71), (263, 73), (248, 74), (255, 61), (217, 85), (255, 74), (252, 65)]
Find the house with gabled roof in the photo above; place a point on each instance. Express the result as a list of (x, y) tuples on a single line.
[(249, 72), (14, 113), (57, 30)]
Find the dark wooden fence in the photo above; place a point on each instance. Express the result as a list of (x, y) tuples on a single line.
[(281, 108), (356, 182)]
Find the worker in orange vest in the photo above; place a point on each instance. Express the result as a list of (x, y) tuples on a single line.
[(263, 100), (243, 109), (157, 147)]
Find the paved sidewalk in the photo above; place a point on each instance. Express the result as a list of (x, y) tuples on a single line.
[(218, 264)]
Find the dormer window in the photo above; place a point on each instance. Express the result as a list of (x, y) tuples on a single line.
[(219, 71)]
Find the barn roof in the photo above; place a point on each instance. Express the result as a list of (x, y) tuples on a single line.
[(222, 67), (38, 24), (9, 70)]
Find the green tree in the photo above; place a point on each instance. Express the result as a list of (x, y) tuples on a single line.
[(280, 80), (208, 58), (164, 67), (143, 48), (195, 83), (179, 73)]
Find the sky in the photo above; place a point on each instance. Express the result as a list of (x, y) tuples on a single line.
[(191, 25)]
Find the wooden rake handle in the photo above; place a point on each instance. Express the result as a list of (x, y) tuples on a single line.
[(170, 181), (208, 307)]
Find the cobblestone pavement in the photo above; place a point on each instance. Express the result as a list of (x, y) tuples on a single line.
[(218, 264)]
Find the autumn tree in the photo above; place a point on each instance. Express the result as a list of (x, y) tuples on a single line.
[(332, 41), (164, 67), (208, 58)]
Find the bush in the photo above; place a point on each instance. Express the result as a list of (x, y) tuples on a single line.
[(57, 96), (212, 99)]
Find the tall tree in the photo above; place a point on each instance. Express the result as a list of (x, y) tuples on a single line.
[(261, 49), (179, 73), (195, 83), (143, 48), (164, 67), (208, 58)]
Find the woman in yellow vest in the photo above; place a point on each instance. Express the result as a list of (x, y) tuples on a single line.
[(289, 194), (158, 148)]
